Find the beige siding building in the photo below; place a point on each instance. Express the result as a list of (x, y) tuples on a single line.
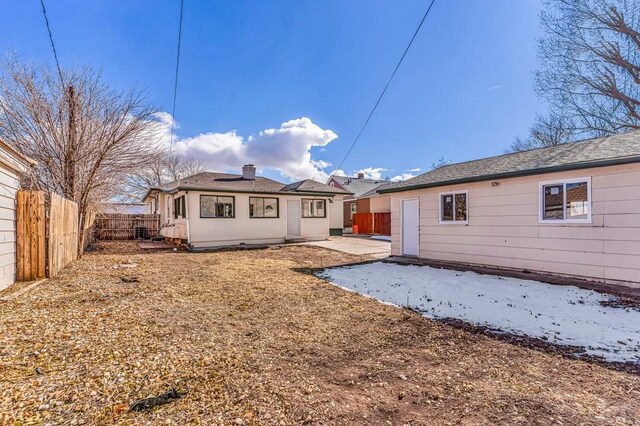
[(572, 210), (218, 209), (12, 165)]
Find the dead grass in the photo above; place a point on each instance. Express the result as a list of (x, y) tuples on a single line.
[(253, 340)]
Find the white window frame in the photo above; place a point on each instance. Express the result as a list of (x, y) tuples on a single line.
[(564, 183), (312, 210), (454, 221), (353, 209)]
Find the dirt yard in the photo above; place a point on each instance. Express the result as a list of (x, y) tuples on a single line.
[(251, 337)]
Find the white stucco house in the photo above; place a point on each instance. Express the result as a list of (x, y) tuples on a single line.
[(219, 209)]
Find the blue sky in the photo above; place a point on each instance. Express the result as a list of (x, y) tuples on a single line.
[(463, 92)]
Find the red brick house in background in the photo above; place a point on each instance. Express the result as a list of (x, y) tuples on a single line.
[(365, 199)]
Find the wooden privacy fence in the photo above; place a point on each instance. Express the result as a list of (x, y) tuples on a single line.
[(121, 226), (63, 233), (372, 223), (46, 234)]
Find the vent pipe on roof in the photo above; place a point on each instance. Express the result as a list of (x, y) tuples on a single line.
[(249, 172)]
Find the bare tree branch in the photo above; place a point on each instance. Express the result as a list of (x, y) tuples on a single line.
[(164, 168), (547, 131), (591, 64), (86, 137)]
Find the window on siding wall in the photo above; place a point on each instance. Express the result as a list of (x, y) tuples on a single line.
[(179, 207), (217, 206), (566, 201), (313, 208), (453, 207), (263, 207)]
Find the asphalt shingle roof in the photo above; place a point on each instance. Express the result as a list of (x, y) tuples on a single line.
[(358, 186), (309, 185), (608, 150), (210, 181)]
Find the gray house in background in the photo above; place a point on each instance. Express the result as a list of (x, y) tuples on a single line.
[(124, 208), (364, 198)]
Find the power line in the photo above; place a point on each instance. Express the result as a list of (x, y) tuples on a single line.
[(175, 83), (424, 17), (53, 46)]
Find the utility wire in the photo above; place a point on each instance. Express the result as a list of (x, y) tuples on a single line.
[(175, 83), (53, 46), (355, 141)]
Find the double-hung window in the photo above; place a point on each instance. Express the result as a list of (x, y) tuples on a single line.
[(354, 210), (262, 207), (453, 207), (179, 209), (313, 208), (217, 206), (566, 201)]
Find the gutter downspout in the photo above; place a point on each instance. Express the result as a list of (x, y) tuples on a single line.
[(188, 213), (188, 234)]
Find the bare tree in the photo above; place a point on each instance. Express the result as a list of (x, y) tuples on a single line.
[(546, 131), (440, 163), (591, 63), (164, 168), (85, 136)]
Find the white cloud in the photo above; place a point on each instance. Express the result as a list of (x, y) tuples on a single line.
[(376, 173), (372, 172), (286, 149), (402, 176), (408, 174), (369, 173)]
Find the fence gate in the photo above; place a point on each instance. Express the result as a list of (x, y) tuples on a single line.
[(30, 235), (372, 223), (121, 226)]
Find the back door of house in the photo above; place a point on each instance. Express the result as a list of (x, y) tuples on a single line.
[(410, 227), (294, 218)]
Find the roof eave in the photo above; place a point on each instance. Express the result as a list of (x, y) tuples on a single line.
[(149, 191), (323, 192), (236, 191), (15, 160), (519, 173)]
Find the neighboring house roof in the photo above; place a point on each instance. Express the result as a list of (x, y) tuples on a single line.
[(358, 186), (13, 159), (309, 185), (125, 208), (606, 151), (225, 182), (375, 191)]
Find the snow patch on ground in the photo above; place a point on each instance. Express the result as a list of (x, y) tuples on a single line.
[(381, 237), (564, 315)]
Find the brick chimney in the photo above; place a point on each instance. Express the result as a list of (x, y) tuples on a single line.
[(360, 175), (249, 172)]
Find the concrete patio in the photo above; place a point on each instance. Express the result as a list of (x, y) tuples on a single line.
[(378, 249)]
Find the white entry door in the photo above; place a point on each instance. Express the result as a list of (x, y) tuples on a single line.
[(294, 218), (410, 227)]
